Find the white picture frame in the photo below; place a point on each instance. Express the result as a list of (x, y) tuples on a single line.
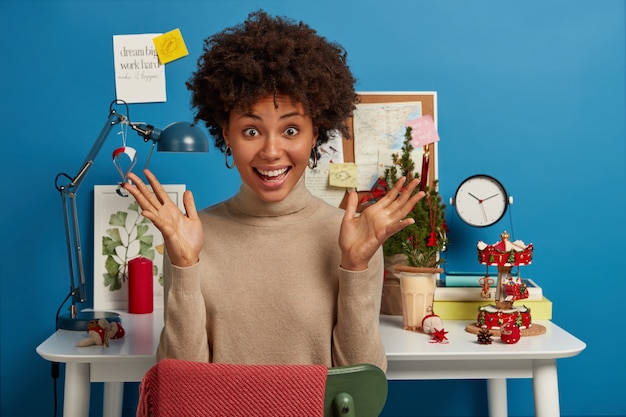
[(121, 233)]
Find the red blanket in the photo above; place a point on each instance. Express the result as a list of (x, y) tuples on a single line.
[(175, 388)]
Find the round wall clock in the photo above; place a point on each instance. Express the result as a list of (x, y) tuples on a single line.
[(481, 200)]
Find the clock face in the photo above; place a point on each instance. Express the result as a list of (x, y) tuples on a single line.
[(480, 200)]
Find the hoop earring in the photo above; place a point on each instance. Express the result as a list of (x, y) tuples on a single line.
[(228, 151), (313, 159)]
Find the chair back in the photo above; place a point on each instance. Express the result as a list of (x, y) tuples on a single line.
[(355, 391), (176, 388)]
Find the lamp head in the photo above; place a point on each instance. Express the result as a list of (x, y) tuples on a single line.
[(176, 137)]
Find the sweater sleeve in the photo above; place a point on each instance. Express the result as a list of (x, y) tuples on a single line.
[(184, 335), (356, 336)]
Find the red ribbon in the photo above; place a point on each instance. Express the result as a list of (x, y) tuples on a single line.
[(377, 192), (425, 162)]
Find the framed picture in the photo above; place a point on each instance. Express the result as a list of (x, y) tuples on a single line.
[(121, 233), (378, 127)]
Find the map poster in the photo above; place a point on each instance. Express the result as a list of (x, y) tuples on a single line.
[(379, 130)]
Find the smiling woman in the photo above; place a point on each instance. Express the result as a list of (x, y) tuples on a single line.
[(271, 145), (269, 91)]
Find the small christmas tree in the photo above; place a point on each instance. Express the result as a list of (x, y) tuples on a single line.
[(422, 241)]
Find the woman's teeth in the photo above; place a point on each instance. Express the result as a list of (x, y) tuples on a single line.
[(272, 173)]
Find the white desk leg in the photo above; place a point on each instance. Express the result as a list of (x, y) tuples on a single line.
[(113, 399), (77, 390), (545, 388), (496, 394)]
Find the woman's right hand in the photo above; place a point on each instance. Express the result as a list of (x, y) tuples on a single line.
[(182, 232)]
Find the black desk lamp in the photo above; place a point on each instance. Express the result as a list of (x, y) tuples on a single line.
[(176, 137)]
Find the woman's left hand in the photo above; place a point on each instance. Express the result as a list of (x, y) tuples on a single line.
[(362, 235)]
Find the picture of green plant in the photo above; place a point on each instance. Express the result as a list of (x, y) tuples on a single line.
[(121, 233), (126, 239)]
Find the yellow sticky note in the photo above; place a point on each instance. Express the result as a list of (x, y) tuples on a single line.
[(170, 46), (343, 175)]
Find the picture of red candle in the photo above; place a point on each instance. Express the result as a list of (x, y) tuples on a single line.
[(140, 286)]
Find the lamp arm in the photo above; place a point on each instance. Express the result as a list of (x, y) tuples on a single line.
[(113, 119), (70, 213), (74, 250)]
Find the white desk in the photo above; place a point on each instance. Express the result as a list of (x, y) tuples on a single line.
[(410, 356), (125, 360)]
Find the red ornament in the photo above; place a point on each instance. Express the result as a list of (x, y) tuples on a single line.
[(510, 333), (438, 336), (116, 331), (377, 192), (432, 239)]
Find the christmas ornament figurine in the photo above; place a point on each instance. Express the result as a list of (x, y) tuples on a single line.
[(433, 325), (510, 333), (430, 322), (505, 255), (485, 283), (502, 318), (484, 336), (100, 332), (438, 336)]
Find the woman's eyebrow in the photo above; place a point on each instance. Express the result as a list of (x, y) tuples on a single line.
[(292, 114), (282, 116)]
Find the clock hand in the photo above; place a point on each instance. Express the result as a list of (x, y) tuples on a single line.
[(482, 206), (491, 196), (479, 200)]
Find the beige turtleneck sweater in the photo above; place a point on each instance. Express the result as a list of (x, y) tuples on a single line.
[(269, 289)]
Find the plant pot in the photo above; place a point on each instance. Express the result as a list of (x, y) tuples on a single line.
[(417, 286), (391, 303)]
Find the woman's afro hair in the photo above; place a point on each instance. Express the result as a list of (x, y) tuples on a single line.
[(268, 56)]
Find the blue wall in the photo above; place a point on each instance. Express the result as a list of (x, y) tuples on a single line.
[(530, 92)]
